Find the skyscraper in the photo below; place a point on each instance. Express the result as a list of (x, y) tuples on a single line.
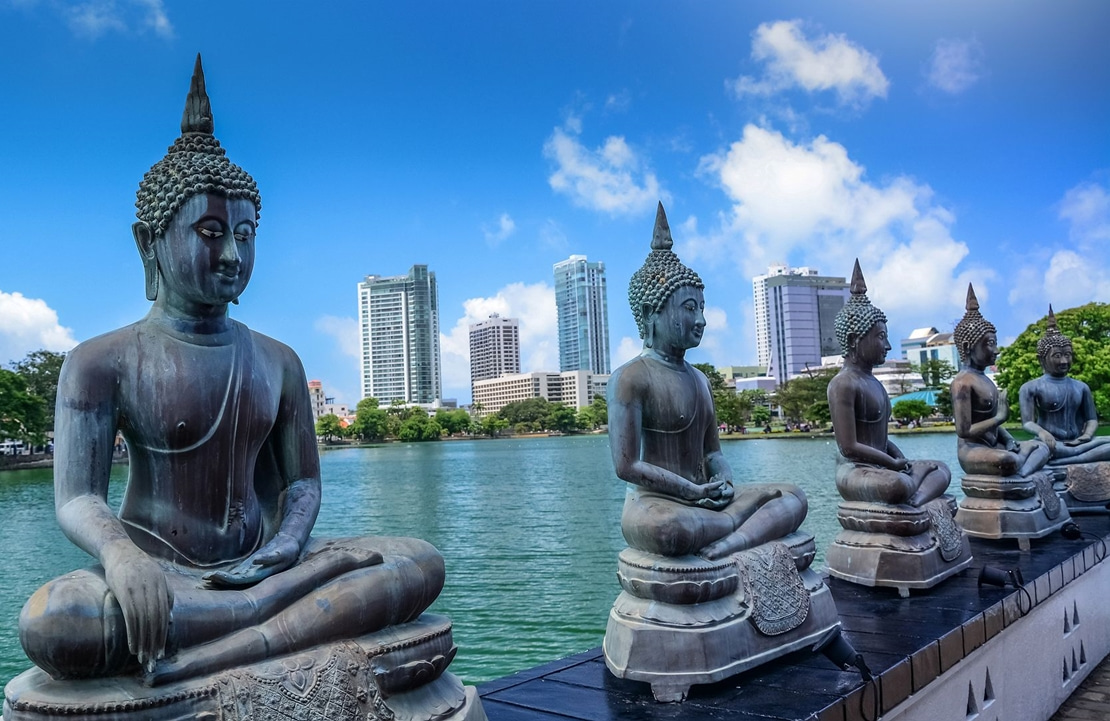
[(398, 320), (580, 299), (494, 349), (795, 312)]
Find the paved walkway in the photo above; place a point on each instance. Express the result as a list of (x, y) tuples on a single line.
[(1091, 701)]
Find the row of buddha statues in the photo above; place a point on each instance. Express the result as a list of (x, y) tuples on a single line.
[(704, 556), (210, 598)]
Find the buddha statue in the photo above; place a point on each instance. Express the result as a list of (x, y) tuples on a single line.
[(1060, 412), (898, 529), (209, 594), (694, 536), (1006, 493)]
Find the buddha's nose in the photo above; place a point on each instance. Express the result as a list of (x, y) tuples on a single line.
[(229, 253)]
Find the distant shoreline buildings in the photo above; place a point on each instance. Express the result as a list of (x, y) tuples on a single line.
[(494, 349), (795, 313), (398, 318), (581, 302)]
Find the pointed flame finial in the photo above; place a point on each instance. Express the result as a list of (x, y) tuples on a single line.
[(1051, 322), (859, 285), (197, 117), (661, 237), (972, 302)]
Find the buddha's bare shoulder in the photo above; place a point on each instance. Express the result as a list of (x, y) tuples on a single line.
[(105, 353), (630, 379), (276, 352)]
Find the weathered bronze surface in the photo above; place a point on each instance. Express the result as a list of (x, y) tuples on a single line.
[(704, 553), (1007, 495), (898, 530), (209, 565)]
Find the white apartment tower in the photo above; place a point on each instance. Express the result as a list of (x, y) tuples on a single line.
[(398, 320), (795, 313), (494, 349), (582, 305)]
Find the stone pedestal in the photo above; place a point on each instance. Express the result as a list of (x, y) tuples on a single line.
[(397, 674), (1011, 507), (1088, 487), (898, 546), (684, 621)]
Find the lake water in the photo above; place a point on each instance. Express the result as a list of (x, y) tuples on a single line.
[(529, 528)]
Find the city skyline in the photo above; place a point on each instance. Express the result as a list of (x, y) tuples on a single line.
[(941, 143), (582, 309)]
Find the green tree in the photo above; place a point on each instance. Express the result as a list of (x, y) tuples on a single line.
[(798, 395), (936, 372), (329, 428), (914, 410), (750, 399), (729, 407), (761, 415), (22, 414), (493, 424), (40, 371), (452, 420), (371, 422), (528, 413), (716, 380), (1088, 326), (419, 427), (561, 418), (944, 402)]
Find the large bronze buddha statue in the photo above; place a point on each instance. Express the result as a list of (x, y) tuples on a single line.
[(1007, 494), (1060, 411), (898, 529), (704, 556), (209, 588)]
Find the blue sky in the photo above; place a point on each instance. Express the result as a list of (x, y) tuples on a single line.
[(940, 142)]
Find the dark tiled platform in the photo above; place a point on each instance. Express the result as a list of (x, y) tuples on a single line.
[(906, 642)]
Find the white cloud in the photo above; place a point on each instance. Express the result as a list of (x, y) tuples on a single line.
[(1087, 208), (532, 305), (612, 178), (627, 349), (497, 232), (29, 324), (814, 199), (828, 62), (344, 331), (618, 102), (552, 235), (95, 18), (955, 65)]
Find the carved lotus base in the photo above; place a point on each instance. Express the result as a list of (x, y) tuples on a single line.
[(902, 559), (1088, 487), (395, 674), (771, 609), (1011, 507)]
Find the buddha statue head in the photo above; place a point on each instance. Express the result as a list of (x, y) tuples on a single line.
[(976, 337), (860, 326), (654, 288), (1054, 349), (194, 169)]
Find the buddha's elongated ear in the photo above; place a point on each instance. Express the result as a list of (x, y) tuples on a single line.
[(144, 241), (649, 315)]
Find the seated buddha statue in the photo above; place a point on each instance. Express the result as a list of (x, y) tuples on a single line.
[(884, 492), (689, 526), (1058, 409), (1060, 412), (1005, 494), (209, 563)]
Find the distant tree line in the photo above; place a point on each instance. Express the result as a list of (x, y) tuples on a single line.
[(28, 389), (405, 423)]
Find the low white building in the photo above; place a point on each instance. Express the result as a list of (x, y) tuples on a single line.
[(575, 389)]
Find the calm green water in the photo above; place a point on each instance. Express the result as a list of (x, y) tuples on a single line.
[(530, 530)]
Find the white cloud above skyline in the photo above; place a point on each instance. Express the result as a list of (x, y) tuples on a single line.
[(956, 65), (29, 324), (821, 63), (810, 203), (612, 178), (532, 305)]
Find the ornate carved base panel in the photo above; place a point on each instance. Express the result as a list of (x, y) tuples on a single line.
[(991, 510), (772, 611), (1089, 483), (901, 561), (393, 675)]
